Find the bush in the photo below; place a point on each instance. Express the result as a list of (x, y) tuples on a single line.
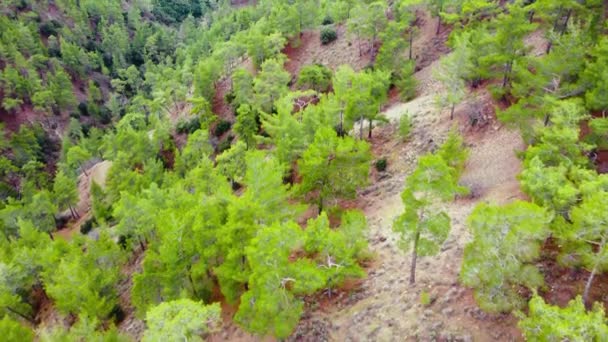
[(222, 127), (229, 97), (49, 28), (328, 20), (104, 115), (381, 164), (405, 126), (328, 35), (87, 226), (406, 82), (83, 107), (425, 298), (225, 144), (188, 126)]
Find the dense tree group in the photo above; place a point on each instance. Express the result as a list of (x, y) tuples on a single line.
[(212, 204)]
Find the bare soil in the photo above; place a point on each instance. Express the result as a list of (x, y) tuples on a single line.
[(309, 50)]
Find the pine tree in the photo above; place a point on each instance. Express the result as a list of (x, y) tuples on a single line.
[(423, 226), (545, 322), (246, 125), (12, 330), (333, 167), (65, 191), (500, 258), (270, 84), (589, 220), (181, 319)]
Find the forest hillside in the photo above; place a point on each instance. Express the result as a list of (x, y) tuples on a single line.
[(303, 170)]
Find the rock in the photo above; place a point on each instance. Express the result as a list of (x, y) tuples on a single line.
[(436, 326), (447, 311)]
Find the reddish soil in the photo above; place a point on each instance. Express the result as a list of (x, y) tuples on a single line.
[(565, 283), (309, 50)]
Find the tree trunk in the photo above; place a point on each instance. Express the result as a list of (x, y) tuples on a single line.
[(555, 25), (83, 169), (74, 213), (507, 72), (565, 26), (414, 257), (369, 133), (341, 133), (361, 127), (411, 41), (588, 285), (531, 16), (51, 236), (320, 204), (452, 111), (549, 46), (438, 24)]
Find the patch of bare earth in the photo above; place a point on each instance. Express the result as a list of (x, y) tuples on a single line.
[(344, 50)]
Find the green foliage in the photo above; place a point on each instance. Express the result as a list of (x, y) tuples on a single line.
[(179, 319), (425, 298), (84, 329), (500, 258), (84, 283), (333, 167), (367, 21), (246, 125), (328, 35), (454, 152), (232, 163), (65, 191), (172, 12), (596, 73), (242, 88), (546, 322), (405, 126), (423, 226), (222, 127), (393, 45), (12, 330), (270, 84), (381, 164), (316, 77)]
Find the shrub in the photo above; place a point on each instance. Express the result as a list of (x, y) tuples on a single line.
[(406, 82), (328, 35), (104, 115), (229, 97), (328, 20), (425, 298), (50, 28), (381, 164), (188, 126), (222, 127), (83, 107), (405, 126), (87, 226), (225, 144)]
